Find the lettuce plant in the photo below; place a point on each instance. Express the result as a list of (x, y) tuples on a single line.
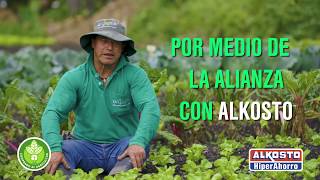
[(166, 173), (288, 141), (259, 141), (58, 175), (162, 156), (131, 174), (228, 147), (13, 170), (80, 174), (191, 166), (227, 167), (195, 152), (315, 139)]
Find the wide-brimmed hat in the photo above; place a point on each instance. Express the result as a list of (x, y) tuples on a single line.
[(110, 28)]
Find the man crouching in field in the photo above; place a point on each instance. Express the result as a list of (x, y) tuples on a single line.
[(107, 94)]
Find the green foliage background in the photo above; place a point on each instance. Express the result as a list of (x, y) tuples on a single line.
[(160, 20)]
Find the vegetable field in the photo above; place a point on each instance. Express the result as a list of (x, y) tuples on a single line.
[(182, 149)]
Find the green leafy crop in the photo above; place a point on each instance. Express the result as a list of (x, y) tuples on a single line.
[(80, 174), (316, 139), (163, 173), (259, 141), (228, 147), (58, 175), (14, 171), (131, 174), (288, 141), (195, 152), (162, 156), (191, 166), (227, 167)]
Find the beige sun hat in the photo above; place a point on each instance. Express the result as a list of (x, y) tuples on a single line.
[(110, 28)]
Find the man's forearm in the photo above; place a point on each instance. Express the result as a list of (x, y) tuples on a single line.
[(148, 124), (51, 130)]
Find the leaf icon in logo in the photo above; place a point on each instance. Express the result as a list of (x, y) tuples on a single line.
[(34, 150)]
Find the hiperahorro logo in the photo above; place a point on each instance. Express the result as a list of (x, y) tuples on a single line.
[(276, 159)]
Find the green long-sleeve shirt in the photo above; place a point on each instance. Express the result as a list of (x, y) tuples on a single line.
[(103, 113)]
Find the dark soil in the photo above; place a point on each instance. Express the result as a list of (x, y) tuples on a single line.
[(244, 151), (148, 169), (314, 124), (180, 159), (314, 151), (247, 130), (212, 153)]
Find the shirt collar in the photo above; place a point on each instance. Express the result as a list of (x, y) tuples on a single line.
[(121, 64)]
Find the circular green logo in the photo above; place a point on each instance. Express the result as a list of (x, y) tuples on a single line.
[(34, 154)]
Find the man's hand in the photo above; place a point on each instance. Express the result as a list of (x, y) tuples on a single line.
[(56, 159), (136, 154)]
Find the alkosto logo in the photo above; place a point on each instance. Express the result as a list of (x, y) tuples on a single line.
[(34, 154), (276, 159)]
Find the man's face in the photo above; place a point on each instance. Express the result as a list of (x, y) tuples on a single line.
[(106, 51)]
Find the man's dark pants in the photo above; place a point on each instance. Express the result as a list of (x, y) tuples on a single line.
[(88, 155)]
